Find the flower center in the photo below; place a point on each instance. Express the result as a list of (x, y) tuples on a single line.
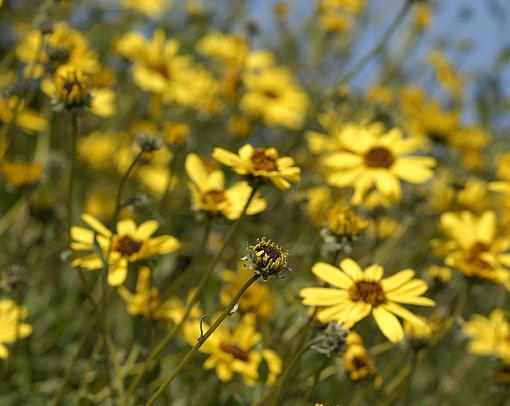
[(236, 351), (268, 251), (369, 292), (213, 196), (162, 69), (127, 246), (270, 94), (474, 253), (263, 162), (359, 362), (379, 157)]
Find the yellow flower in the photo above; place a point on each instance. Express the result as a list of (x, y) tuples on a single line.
[(11, 326), (21, 174), (146, 301), (357, 363), (446, 75), (27, 119), (358, 293), (423, 15), (489, 336), (233, 351), (72, 87), (374, 158), (227, 48), (267, 259), (273, 95), (209, 193), (442, 274), (346, 223), (257, 299), (64, 45), (131, 243), (150, 8), (263, 164), (158, 68), (473, 247), (175, 133), (98, 148)]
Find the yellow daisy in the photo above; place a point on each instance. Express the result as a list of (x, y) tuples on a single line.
[(234, 351), (131, 243), (358, 293), (357, 363), (273, 95), (262, 164), (21, 174), (145, 301), (489, 336), (11, 325), (473, 247), (159, 68), (211, 196), (27, 119), (374, 158)]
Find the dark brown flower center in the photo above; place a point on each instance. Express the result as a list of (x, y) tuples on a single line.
[(379, 157), (236, 351), (270, 94), (162, 69), (127, 246), (213, 196), (263, 162), (268, 249), (474, 256), (369, 292), (360, 362)]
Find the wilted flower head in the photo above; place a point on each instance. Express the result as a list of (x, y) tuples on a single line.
[(267, 259), (72, 87), (332, 340)]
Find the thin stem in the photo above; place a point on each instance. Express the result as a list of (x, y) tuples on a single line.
[(171, 177), (275, 399), (73, 135), (67, 373), (110, 351), (194, 298), (203, 339), (309, 391), (379, 47)]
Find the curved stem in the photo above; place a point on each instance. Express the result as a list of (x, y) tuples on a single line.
[(192, 301), (379, 47), (203, 339)]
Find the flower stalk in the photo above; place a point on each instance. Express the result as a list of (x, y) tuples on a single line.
[(202, 339)]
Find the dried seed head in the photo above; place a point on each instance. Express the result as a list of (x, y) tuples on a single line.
[(267, 259), (332, 340)]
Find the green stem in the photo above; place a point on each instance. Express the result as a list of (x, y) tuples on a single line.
[(275, 398), (73, 135), (309, 391), (110, 352), (379, 47), (192, 301), (67, 373), (203, 339)]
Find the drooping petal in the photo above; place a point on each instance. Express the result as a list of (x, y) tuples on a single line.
[(388, 324)]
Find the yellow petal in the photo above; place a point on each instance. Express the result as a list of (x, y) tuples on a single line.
[(351, 268), (96, 224), (322, 296), (388, 324), (146, 229), (197, 171), (394, 281), (332, 275)]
